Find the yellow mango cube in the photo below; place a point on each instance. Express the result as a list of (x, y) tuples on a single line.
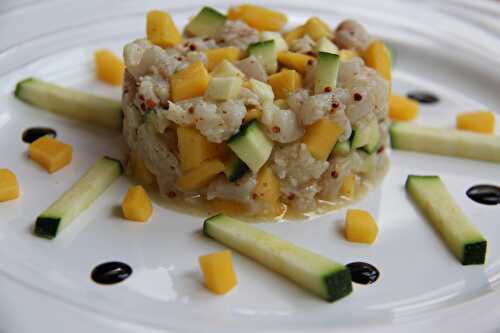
[(194, 148), (9, 187), (345, 55), (321, 137), (139, 170), (348, 188), (218, 271), (294, 34), (252, 114), (360, 227), (161, 29), (268, 191), (293, 60), (190, 82), (228, 207), (285, 82), (136, 205), (479, 121), (378, 57), (316, 28), (50, 153), (109, 68), (402, 108), (258, 17), (215, 56), (201, 176)]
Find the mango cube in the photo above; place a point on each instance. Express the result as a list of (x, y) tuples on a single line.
[(402, 108), (293, 60), (348, 188), (321, 137), (215, 56), (294, 34), (136, 205), (258, 17), (161, 29), (218, 271), (360, 227), (479, 121), (139, 170), (268, 191), (189, 82), (201, 176), (316, 28), (194, 148), (252, 114), (50, 153), (9, 187), (377, 56), (285, 82), (109, 68)]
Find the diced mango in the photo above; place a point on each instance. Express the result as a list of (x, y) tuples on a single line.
[(285, 82), (347, 54), (194, 148), (50, 153), (215, 56), (252, 114), (189, 82), (378, 57), (360, 227), (258, 17), (109, 68), (229, 207), (293, 60), (321, 137), (161, 29), (316, 28), (9, 187), (294, 34), (402, 108), (348, 187), (139, 170), (136, 205), (218, 271), (268, 191), (479, 121), (201, 176)]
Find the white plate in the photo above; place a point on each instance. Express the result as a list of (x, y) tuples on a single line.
[(421, 282)]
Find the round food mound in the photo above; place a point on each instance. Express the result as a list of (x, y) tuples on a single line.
[(256, 122)]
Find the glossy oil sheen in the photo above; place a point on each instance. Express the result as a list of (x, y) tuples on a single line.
[(484, 194)]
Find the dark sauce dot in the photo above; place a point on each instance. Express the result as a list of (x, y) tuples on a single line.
[(423, 97), (34, 133), (484, 194), (111, 272), (363, 273)]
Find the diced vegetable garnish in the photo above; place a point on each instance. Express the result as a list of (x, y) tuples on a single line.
[(223, 88), (109, 68), (402, 108), (321, 276), (378, 57), (266, 53), (432, 197), (373, 142), (189, 82), (201, 176), (50, 153), (216, 56), (251, 145), (161, 29), (258, 17), (444, 141), (294, 34), (361, 136), (321, 137), (324, 44), (285, 82), (227, 69), (234, 167), (78, 198), (279, 42), (268, 192), (218, 271), (327, 70), (206, 23), (360, 227), (317, 29), (252, 114), (479, 121), (293, 60), (194, 148), (71, 103), (342, 148), (136, 205), (9, 187), (348, 188), (139, 170)]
